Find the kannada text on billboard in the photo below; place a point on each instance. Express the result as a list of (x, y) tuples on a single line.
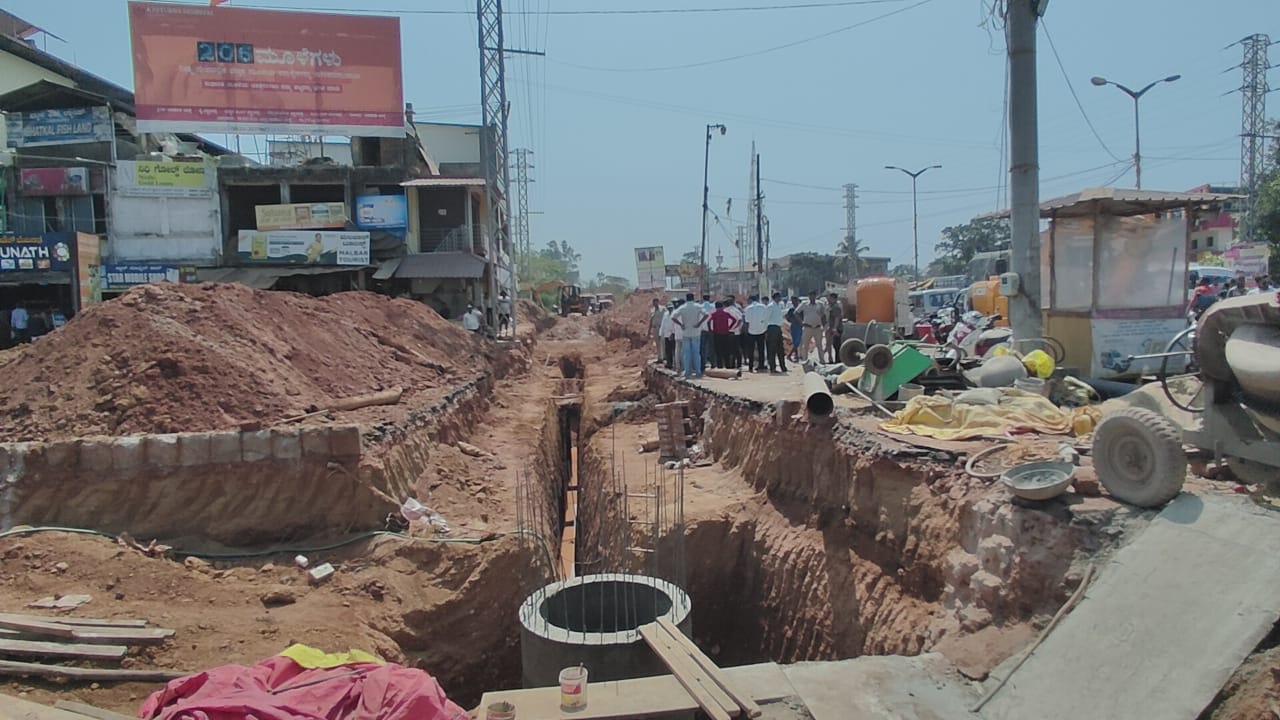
[(304, 247), (223, 69)]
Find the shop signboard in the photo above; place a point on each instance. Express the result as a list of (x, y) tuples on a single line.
[(301, 216), (151, 178), (651, 268), (122, 277), (53, 182), (304, 247), (242, 70), (381, 212), (58, 127), (51, 251)]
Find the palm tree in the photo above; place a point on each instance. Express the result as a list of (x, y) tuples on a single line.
[(859, 250)]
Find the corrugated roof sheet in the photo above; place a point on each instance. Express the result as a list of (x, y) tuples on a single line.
[(444, 182), (440, 265), (1121, 201)]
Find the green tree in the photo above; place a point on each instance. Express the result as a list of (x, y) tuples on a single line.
[(902, 270), (859, 251), (811, 271), (961, 242), (562, 252)]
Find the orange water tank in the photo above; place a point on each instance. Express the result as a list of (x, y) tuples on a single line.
[(985, 297), (875, 300)]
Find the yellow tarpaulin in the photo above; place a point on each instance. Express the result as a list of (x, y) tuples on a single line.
[(313, 658), (942, 418)]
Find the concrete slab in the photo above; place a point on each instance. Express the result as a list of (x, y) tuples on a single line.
[(883, 688), (1164, 626)]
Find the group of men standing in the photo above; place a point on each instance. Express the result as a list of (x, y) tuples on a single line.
[(690, 336)]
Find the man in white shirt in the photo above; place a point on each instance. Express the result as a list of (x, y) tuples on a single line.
[(774, 313), (504, 313), (655, 326), (739, 332), (19, 320), (666, 338), (690, 318), (471, 319), (756, 326), (813, 319)]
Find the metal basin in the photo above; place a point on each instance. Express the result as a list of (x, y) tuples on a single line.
[(1039, 480)]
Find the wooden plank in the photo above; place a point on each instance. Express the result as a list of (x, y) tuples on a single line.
[(15, 668), (712, 670), (643, 697), (126, 636), (66, 650), (36, 626), (713, 701), (93, 622), (90, 711), (14, 708)]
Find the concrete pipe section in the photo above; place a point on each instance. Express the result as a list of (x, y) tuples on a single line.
[(593, 620)]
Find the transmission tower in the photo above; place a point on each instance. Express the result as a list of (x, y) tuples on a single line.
[(523, 243), (1253, 124), (493, 137), (851, 227)]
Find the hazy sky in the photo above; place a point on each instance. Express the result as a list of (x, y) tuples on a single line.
[(615, 113)]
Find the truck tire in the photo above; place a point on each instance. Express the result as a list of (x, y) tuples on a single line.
[(851, 351), (1139, 458)]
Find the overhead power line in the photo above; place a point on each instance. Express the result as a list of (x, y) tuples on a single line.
[(753, 53), (596, 12), (1074, 96)]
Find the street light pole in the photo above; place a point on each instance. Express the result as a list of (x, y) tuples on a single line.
[(915, 215), (1137, 128), (706, 163)]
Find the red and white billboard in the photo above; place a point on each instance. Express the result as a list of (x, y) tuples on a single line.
[(200, 68)]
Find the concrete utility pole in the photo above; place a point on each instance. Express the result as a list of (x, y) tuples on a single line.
[(760, 253), (706, 189), (1024, 166), (1253, 122), (851, 227)]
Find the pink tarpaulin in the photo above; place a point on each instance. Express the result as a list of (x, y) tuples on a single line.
[(279, 689)]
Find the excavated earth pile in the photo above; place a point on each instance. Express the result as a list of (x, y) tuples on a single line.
[(183, 358)]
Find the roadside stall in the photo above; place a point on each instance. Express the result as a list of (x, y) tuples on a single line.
[(44, 281), (1114, 274)]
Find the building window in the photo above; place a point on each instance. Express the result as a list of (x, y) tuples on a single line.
[(99, 215), (1195, 243), (1208, 242)]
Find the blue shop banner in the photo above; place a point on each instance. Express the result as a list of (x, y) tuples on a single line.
[(59, 127), (381, 212), (127, 276), (50, 251)]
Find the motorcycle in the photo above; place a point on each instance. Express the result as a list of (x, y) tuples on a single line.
[(974, 336)]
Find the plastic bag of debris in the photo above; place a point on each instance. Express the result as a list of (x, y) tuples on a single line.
[(416, 512)]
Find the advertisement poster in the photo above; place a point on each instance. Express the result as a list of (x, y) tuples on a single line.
[(88, 269), (51, 251), (381, 212), (302, 247), (58, 127), (651, 268), (53, 182), (224, 69), (122, 277), (1251, 259), (301, 216), (1114, 340)]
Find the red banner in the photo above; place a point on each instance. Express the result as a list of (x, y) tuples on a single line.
[(54, 182), (236, 70)]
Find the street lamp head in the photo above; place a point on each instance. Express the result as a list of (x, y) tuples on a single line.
[(935, 167), (892, 167), (1099, 81), (1171, 78)]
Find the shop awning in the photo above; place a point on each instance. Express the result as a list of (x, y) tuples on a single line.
[(35, 277), (444, 182), (440, 265), (262, 278)]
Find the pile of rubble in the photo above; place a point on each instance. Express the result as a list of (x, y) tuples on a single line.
[(169, 358)]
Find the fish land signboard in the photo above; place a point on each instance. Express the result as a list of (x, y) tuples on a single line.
[(202, 68), (66, 126), (304, 247)]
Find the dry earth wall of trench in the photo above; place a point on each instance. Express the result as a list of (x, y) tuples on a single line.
[(857, 552), (237, 488)]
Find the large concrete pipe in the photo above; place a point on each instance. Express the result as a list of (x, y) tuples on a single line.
[(592, 620), (1253, 352), (817, 396)]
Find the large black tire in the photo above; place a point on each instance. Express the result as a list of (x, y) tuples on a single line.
[(878, 360), (1139, 458), (851, 351)]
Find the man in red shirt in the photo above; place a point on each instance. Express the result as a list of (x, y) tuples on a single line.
[(722, 324)]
